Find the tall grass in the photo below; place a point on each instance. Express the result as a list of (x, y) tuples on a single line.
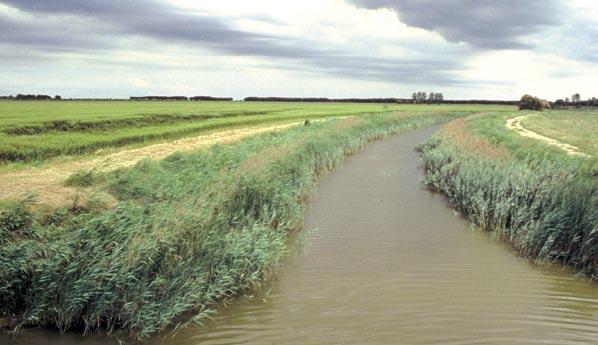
[(188, 232), (541, 201)]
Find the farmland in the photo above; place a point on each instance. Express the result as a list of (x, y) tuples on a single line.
[(37, 131)]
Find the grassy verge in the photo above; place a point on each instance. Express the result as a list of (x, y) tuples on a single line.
[(188, 231), (538, 198), (577, 128)]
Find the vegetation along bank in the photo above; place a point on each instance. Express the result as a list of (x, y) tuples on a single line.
[(537, 197), (188, 231)]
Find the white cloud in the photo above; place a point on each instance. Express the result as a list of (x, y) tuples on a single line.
[(518, 72), (310, 48)]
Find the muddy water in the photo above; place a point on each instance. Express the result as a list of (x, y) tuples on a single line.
[(390, 263)]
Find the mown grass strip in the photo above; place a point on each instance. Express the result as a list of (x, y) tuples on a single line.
[(47, 145), (103, 125)]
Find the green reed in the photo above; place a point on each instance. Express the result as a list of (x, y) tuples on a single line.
[(540, 200), (188, 232)]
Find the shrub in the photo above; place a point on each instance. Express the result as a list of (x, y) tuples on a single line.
[(529, 102)]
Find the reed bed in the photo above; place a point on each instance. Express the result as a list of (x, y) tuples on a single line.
[(540, 200), (188, 232)]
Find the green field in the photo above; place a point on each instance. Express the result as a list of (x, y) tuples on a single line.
[(535, 196), (33, 131), (578, 127)]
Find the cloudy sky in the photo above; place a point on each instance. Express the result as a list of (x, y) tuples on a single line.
[(332, 48)]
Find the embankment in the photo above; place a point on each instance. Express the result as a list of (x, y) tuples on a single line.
[(188, 232), (542, 202)]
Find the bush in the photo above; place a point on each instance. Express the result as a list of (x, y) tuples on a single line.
[(529, 102)]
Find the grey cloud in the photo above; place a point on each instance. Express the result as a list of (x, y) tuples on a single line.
[(94, 24), (51, 35), (485, 24), (150, 19)]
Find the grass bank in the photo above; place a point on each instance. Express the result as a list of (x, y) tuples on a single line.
[(188, 232), (538, 198)]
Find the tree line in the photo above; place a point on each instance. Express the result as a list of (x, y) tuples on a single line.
[(479, 101), (209, 98), (326, 100), (422, 97), (529, 102), (416, 98), (33, 97), (575, 101), (180, 98), (22, 97)]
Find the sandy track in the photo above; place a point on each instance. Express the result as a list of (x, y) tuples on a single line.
[(47, 182), (515, 124)]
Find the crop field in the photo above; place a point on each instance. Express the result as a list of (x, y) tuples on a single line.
[(538, 197), (34, 131)]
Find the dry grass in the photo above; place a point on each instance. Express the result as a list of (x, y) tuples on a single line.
[(267, 156), (464, 140), (47, 183), (349, 122)]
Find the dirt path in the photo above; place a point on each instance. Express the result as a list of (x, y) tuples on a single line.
[(515, 124), (47, 182)]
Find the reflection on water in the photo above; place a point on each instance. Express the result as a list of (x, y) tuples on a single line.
[(390, 263)]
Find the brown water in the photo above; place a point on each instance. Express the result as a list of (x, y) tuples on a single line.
[(390, 263)]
